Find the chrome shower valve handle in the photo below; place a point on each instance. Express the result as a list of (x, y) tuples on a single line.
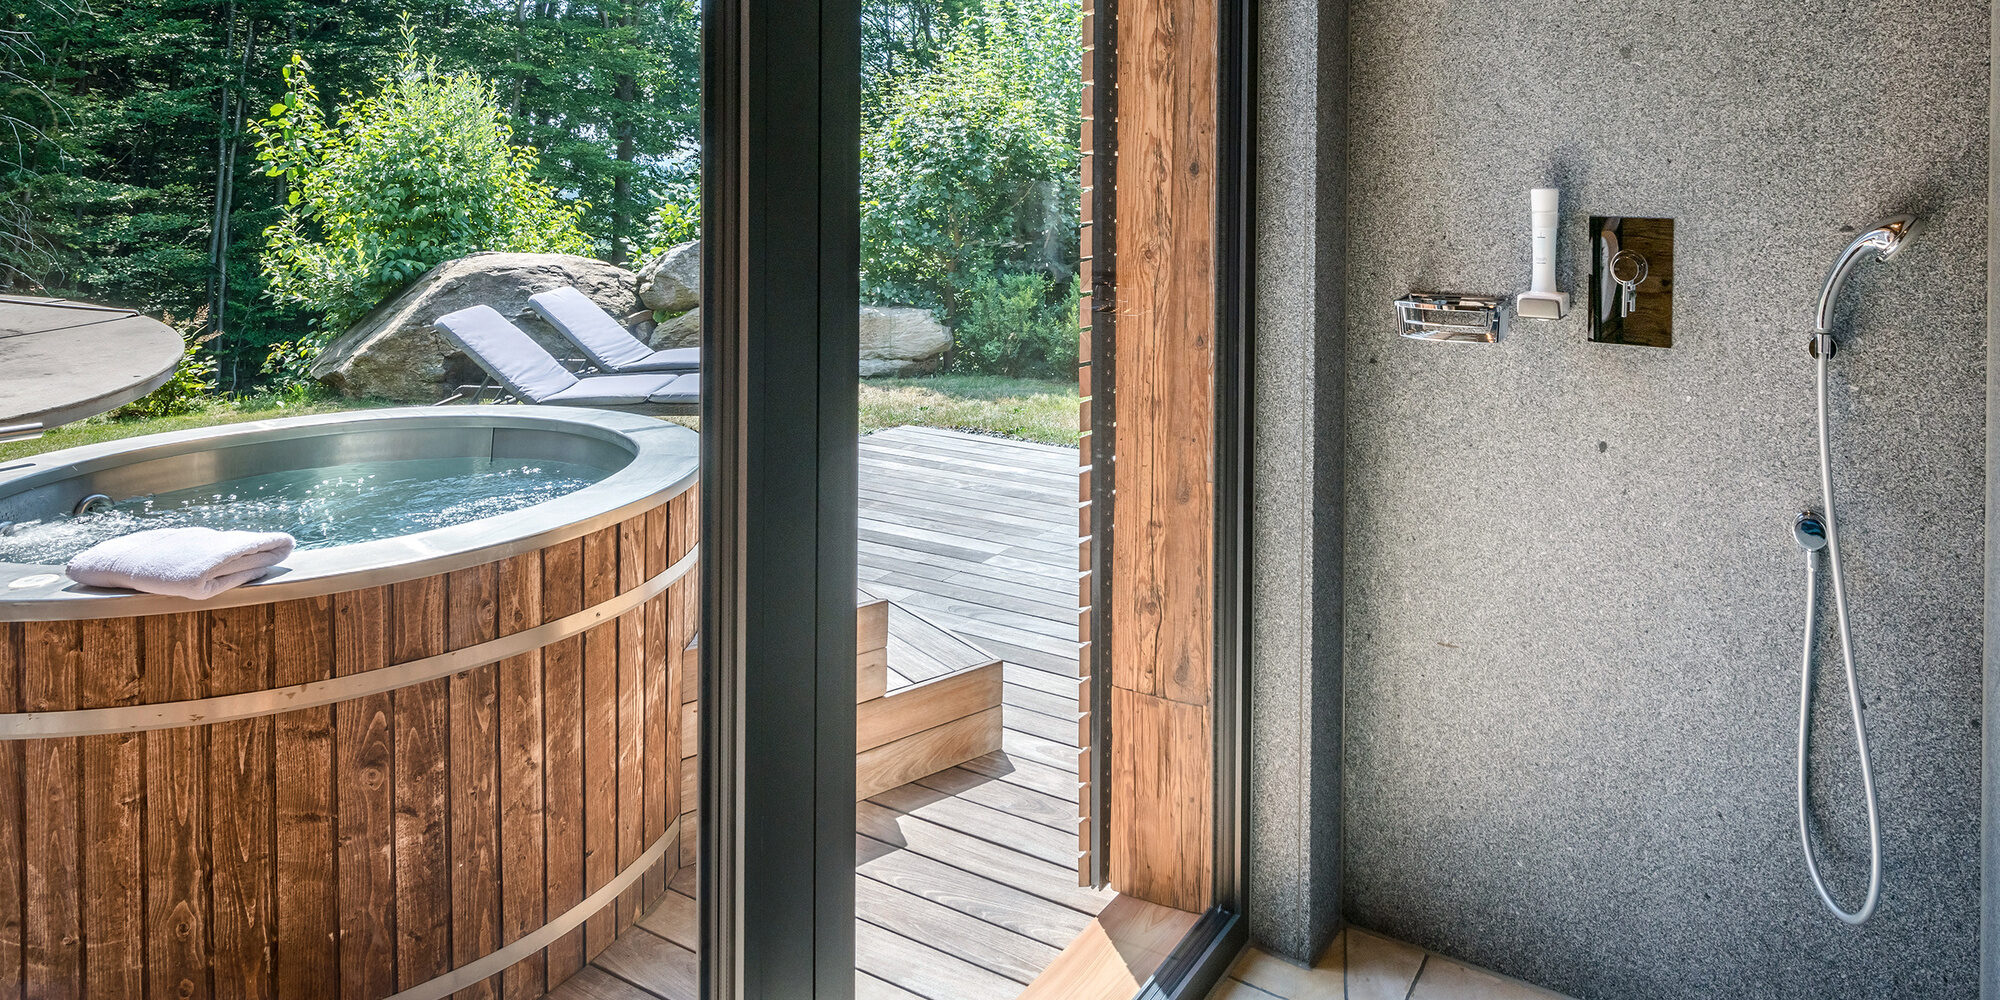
[(1628, 269)]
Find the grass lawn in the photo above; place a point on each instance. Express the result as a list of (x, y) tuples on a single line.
[(983, 404), (1026, 409), (98, 429)]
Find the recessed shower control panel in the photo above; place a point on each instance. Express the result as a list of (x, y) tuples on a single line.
[(1632, 281)]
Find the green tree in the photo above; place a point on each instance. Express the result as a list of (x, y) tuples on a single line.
[(420, 172), (609, 91), (970, 169), (134, 191)]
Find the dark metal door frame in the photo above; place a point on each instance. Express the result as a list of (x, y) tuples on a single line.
[(780, 204)]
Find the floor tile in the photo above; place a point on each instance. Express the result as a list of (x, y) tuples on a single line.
[(1444, 979), (1231, 989), (1275, 975), (1379, 968)]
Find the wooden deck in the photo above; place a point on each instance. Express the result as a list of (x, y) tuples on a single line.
[(965, 882)]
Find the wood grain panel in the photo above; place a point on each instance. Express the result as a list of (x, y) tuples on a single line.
[(422, 788), (114, 931), (365, 741), (1161, 589), (1115, 955), (472, 617), (356, 849), (12, 803), (1159, 594), (912, 757), (177, 861), (631, 795), (54, 925), (1160, 771), (661, 767), (921, 706), (307, 892), (241, 809), (522, 855), (562, 703), (600, 735)]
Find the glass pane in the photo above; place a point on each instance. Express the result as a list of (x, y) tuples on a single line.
[(966, 882), (480, 616)]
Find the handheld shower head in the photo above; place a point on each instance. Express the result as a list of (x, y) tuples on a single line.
[(1886, 238)]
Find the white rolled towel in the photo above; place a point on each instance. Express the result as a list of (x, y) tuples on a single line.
[(196, 563)]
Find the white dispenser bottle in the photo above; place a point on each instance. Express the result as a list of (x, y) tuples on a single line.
[(1541, 300)]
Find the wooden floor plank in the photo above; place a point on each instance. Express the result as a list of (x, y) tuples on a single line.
[(974, 895), (992, 948), (652, 963), (596, 984), (924, 970), (966, 880), (1116, 955), (974, 820), (1013, 800), (867, 987), (1004, 865)]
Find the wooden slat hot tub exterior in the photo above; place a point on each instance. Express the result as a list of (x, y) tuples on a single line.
[(365, 847)]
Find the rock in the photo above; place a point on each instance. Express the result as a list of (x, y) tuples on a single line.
[(895, 340), (901, 340), (393, 353), (680, 331), (672, 281)]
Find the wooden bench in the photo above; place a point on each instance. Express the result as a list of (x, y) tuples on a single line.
[(925, 700), (914, 727)]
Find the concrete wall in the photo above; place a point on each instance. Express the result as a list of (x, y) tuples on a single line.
[(1297, 375), (1572, 603)]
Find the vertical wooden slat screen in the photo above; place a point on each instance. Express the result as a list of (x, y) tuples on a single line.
[(1094, 444), (1160, 605), (364, 847)]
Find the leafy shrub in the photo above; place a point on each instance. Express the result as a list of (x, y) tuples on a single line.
[(188, 389), (676, 220), (288, 370), (1010, 327), (419, 173), (970, 168)]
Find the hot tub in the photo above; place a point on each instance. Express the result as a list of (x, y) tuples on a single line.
[(433, 754)]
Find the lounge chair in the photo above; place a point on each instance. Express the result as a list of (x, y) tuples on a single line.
[(604, 340), (532, 375)]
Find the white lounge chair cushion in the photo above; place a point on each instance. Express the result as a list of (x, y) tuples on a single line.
[(673, 359), (523, 366), (603, 339), (629, 390)]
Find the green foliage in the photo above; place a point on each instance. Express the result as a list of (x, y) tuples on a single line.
[(608, 90), (421, 172), (969, 178), (287, 369), (676, 219), (190, 388), (1011, 327)]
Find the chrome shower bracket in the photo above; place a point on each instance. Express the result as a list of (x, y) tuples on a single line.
[(1449, 317)]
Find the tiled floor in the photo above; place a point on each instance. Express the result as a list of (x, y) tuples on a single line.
[(1363, 966)]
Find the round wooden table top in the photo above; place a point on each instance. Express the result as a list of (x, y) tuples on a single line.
[(62, 361)]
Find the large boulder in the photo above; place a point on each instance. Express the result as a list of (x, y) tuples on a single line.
[(672, 281), (394, 353), (901, 340), (895, 340), (678, 331)]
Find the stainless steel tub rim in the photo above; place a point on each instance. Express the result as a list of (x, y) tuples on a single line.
[(652, 460)]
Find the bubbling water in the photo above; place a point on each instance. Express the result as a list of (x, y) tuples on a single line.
[(321, 507)]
